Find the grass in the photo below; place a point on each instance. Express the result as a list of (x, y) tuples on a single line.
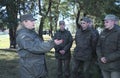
[(9, 66), (4, 41)]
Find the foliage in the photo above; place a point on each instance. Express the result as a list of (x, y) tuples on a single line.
[(51, 11), (115, 9), (61, 8), (95, 9)]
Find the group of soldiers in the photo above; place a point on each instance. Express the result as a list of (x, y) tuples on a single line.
[(91, 48)]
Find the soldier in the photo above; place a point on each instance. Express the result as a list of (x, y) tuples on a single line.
[(62, 51), (85, 40), (108, 48), (31, 49)]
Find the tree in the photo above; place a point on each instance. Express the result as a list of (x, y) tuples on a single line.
[(95, 9), (11, 8), (53, 10), (115, 9), (10, 13)]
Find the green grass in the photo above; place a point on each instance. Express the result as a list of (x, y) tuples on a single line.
[(9, 66), (4, 41)]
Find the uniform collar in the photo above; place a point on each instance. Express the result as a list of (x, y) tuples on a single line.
[(87, 29), (61, 30), (115, 28)]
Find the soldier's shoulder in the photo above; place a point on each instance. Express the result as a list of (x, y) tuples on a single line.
[(23, 33)]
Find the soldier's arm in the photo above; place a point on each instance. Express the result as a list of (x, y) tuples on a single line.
[(35, 45)]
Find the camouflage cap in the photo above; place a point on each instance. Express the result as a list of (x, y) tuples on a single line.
[(61, 22), (110, 17), (27, 17)]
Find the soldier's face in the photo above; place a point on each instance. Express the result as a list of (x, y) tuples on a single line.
[(109, 24), (62, 26), (29, 24), (84, 25)]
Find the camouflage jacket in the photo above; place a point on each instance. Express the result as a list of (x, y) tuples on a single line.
[(109, 47), (31, 51), (85, 44), (66, 45)]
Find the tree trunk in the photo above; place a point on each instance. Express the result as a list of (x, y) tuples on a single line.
[(51, 28), (77, 19), (12, 22), (40, 32), (12, 35)]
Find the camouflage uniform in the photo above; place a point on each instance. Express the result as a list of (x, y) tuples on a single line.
[(31, 50), (85, 45), (65, 58)]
